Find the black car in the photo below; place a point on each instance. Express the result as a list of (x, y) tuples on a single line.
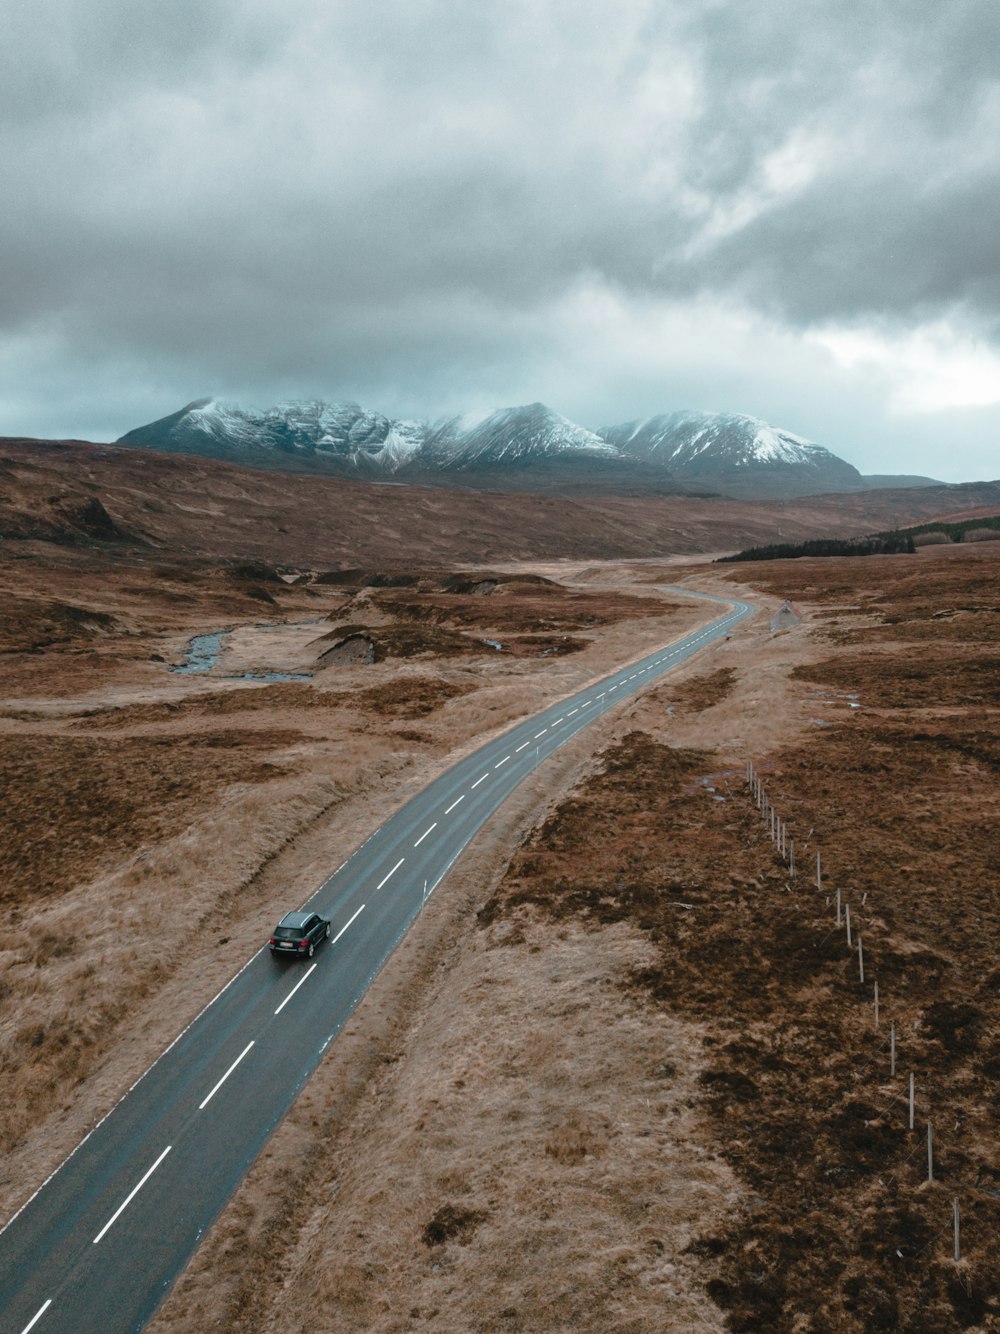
[(298, 934)]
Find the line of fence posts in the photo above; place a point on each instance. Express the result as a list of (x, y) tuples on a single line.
[(777, 832)]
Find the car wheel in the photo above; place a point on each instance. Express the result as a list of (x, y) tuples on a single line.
[(312, 949)]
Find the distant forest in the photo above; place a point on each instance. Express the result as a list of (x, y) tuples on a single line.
[(899, 542), (883, 544)]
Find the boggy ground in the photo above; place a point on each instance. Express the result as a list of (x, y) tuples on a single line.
[(626, 1076), (154, 825)]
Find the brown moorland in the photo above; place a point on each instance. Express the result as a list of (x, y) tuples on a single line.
[(621, 1074), (140, 803), (633, 1080), (75, 493)]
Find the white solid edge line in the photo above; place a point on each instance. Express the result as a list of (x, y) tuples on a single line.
[(424, 834), (294, 989), (344, 928), (131, 1089), (132, 1194), (522, 747), (36, 1317), (744, 611), (503, 761), (203, 1105), (480, 780), (454, 804), (391, 873)]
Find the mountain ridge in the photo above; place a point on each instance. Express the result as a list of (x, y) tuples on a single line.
[(516, 448)]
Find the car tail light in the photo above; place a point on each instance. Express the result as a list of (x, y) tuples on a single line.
[(303, 943)]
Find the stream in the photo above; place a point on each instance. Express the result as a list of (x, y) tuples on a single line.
[(203, 653)]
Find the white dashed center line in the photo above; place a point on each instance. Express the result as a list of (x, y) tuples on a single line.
[(131, 1195), (203, 1105), (36, 1317), (344, 928), (503, 761), (524, 747), (541, 733), (480, 780), (305, 976), (454, 804), (424, 835), (571, 712), (391, 873)]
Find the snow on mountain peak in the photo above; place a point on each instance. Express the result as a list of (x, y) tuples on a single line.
[(705, 448)]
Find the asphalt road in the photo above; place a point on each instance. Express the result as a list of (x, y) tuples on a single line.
[(99, 1245)]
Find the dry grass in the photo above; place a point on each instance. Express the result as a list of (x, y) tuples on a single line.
[(499, 1203), (647, 990), (139, 804)]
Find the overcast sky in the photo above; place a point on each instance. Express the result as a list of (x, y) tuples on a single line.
[(619, 207)]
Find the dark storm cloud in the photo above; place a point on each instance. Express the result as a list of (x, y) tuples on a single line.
[(415, 198)]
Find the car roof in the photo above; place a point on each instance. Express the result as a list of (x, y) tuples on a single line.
[(296, 918)]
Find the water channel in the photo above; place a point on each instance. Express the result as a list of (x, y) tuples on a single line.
[(203, 653)]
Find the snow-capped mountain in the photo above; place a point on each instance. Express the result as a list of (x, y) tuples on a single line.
[(522, 448), (512, 436), (333, 433), (728, 444)]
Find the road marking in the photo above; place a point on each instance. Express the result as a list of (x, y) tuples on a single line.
[(557, 722), (36, 1317), (425, 833), (295, 988), (735, 617), (610, 688), (344, 928), (541, 733), (131, 1196), (585, 703), (203, 1105), (391, 873), (571, 712), (480, 780), (524, 747), (503, 761), (454, 804)]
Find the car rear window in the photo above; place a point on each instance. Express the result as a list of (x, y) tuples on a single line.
[(287, 932)]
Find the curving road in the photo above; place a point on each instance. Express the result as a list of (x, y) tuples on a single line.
[(99, 1245)]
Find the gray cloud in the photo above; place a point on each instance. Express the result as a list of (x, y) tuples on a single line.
[(409, 202)]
